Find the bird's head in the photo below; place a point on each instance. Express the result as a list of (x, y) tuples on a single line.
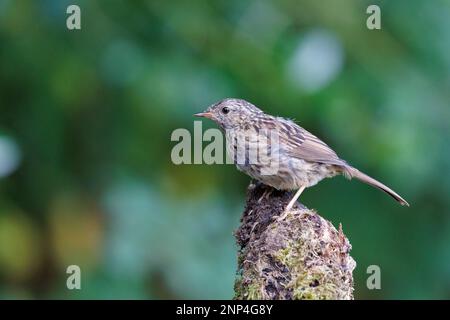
[(231, 113)]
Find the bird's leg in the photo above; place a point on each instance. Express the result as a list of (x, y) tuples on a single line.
[(294, 199), (265, 194), (291, 203)]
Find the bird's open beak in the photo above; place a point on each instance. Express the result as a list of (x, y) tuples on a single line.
[(208, 115)]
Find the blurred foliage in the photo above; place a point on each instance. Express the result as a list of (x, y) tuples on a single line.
[(86, 118)]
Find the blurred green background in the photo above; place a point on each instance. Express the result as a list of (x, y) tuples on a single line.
[(86, 118)]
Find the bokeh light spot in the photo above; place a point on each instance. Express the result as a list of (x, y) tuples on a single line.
[(10, 156), (316, 61)]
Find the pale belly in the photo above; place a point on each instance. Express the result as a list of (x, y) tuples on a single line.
[(280, 171), (291, 174)]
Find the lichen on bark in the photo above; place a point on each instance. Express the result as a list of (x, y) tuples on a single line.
[(300, 257)]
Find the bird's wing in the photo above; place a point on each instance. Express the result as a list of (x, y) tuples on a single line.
[(301, 144)]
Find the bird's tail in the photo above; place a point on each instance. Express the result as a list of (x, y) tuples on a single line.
[(351, 172)]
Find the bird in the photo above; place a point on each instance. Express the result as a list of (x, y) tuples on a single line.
[(302, 159)]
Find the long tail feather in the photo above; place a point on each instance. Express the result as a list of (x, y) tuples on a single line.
[(351, 172)]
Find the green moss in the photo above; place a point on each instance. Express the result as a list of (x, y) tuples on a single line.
[(308, 283), (313, 286), (238, 288), (254, 291), (240, 259), (300, 257), (249, 289), (290, 256)]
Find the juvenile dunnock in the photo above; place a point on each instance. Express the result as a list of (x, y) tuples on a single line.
[(302, 159)]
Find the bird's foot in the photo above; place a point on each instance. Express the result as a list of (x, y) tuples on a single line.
[(285, 213), (290, 204), (262, 197), (265, 195), (282, 217)]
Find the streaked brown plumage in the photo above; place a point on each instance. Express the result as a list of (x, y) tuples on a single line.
[(303, 159)]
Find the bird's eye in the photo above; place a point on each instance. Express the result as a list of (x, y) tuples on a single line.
[(225, 110)]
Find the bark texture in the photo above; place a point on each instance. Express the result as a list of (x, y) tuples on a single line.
[(300, 257)]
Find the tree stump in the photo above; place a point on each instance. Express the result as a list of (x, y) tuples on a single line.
[(300, 257)]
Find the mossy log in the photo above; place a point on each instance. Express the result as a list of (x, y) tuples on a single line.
[(300, 257)]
